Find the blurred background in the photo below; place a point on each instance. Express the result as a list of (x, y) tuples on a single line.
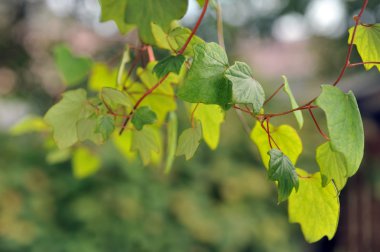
[(218, 201)]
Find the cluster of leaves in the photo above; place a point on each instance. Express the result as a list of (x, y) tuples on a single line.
[(143, 107)]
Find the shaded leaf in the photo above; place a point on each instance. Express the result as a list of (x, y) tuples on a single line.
[(73, 69), (332, 165), (105, 125), (143, 116), (245, 89), (146, 142), (293, 102), (114, 98), (114, 10), (205, 82), (171, 140), (189, 141), (282, 170), (171, 64), (344, 124)]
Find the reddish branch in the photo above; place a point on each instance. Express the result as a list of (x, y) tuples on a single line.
[(274, 94), (363, 63)]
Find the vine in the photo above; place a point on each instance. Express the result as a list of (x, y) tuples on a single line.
[(136, 105)]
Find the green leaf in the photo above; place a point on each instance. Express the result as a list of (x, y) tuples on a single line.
[(143, 116), (121, 71), (245, 89), (314, 207), (332, 165), (344, 124), (171, 141), (367, 40), (171, 64), (114, 98), (205, 82), (114, 10), (64, 116), (85, 163), (29, 124), (57, 156), (105, 125), (175, 39), (189, 141), (211, 117), (146, 142), (73, 70), (162, 100), (293, 102), (142, 13), (286, 138), (282, 170)]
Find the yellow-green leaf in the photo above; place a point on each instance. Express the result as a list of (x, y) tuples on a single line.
[(367, 40), (314, 207), (211, 117), (146, 142), (172, 134), (102, 76), (85, 163), (29, 124), (286, 138)]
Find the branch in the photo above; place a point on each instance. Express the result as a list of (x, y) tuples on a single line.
[(363, 63)]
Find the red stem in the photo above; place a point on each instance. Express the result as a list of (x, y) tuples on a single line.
[(151, 54), (351, 46), (317, 125), (192, 115), (182, 50), (274, 94)]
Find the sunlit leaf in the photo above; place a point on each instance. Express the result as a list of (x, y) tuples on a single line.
[(85, 163), (285, 137), (211, 117), (314, 207), (102, 76), (367, 40), (29, 124)]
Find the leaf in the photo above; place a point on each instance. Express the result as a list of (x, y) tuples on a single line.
[(286, 138), (114, 10), (175, 39), (205, 82), (121, 71), (245, 89), (367, 40), (189, 141), (314, 207), (105, 125), (162, 100), (57, 156), (332, 165), (282, 170), (73, 70), (171, 64), (144, 12), (114, 98), (85, 163), (293, 102), (29, 124), (344, 124), (64, 116), (143, 116), (146, 142), (102, 76), (211, 117), (171, 141), (87, 130)]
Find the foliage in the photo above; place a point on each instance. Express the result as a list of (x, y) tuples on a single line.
[(141, 106)]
